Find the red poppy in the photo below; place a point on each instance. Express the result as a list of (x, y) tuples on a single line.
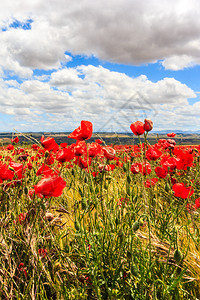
[(42, 252), (109, 152), (51, 186), (169, 163), (64, 155), (10, 147), (22, 269), (137, 128), (161, 172), (148, 125), (49, 144), (63, 145), (83, 132), (44, 170), (180, 190), (150, 182), (171, 134), (18, 168), (83, 163), (98, 141), (145, 168), (79, 148), (94, 149), (5, 172), (15, 140), (153, 154), (135, 168), (185, 160), (197, 203)]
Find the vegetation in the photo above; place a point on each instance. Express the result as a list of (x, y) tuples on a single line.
[(92, 221)]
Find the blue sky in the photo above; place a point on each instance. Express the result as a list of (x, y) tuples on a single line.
[(108, 62)]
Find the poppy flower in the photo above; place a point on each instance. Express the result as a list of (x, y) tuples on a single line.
[(145, 168), (83, 132), (79, 148), (135, 168), (5, 172), (171, 134), (10, 147), (161, 172), (148, 125), (153, 154), (51, 186), (137, 128), (197, 203), (18, 168), (49, 144), (180, 190), (15, 140), (64, 155), (83, 163), (94, 149), (150, 182), (22, 269), (44, 170), (98, 141), (42, 252), (109, 152)]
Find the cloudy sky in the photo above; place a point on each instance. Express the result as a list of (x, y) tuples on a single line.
[(111, 62)]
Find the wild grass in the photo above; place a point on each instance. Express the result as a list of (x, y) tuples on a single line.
[(105, 237)]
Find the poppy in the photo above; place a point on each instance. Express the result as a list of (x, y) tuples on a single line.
[(42, 252), (145, 168), (197, 203), (171, 134), (83, 132), (161, 172), (15, 140), (148, 125), (64, 155), (135, 168), (49, 144), (94, 149), (5, 172), (51, 186), (153, 154), (180, 190), (137, 128), (109, 152), (150, 182)]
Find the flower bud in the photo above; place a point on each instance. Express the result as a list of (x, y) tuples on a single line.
[(148, 125)]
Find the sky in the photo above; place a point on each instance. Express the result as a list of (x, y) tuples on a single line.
[(108, 62)]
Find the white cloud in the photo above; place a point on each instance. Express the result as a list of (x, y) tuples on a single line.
[(106, 98), (122, 31)]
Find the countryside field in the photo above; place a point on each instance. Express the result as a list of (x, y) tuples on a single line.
[(89, 220)]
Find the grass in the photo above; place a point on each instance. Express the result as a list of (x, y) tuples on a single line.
[(104, 237)]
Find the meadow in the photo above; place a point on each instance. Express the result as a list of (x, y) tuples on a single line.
[(96, 221)]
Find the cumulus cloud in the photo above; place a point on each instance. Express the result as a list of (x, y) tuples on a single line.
[(108, 99), (37, 35), (122, 31)]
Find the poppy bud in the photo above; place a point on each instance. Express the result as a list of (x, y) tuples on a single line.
[(148, 125), (177, 255)]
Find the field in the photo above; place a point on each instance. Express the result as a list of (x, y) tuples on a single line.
[(88, 220)]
